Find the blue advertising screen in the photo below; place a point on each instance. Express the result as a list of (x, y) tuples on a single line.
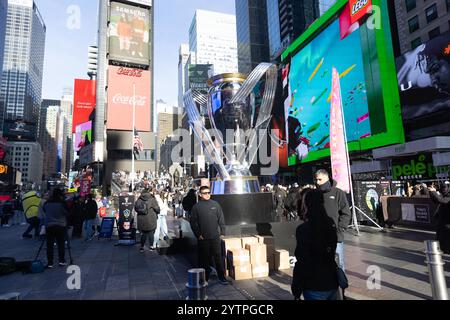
[(310, 88)]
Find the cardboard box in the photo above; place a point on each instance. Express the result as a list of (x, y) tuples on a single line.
[(241, 272), (249, 240), (258, 253), (237, 257), (271, 261), (281, 260), (267, 240), (231, 243), (260, 271)]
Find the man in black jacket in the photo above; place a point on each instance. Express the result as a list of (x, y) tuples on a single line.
[(206, 220), (336, 206), (89, 210), (147, 221)]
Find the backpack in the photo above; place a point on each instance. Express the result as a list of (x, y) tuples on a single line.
[(140, 207)]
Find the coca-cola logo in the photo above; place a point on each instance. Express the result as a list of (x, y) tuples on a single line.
[(128, 100), (130, 72)]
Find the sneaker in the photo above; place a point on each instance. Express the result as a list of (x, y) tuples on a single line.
[(141, 250), (62, 264), (223, 281), (6, 225), (152, 248), (49, 266), (27, 236)]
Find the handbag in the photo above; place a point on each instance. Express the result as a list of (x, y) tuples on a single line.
[(342, 278)]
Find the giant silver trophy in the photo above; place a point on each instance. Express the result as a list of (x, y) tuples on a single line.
[(236, 121)]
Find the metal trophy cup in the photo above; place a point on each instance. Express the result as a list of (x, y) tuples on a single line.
[(237, 119)]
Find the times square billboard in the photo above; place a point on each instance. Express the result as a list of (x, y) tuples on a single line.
[(370, 99), (84, 100), (424, 85), (121, 99), (129, 34)]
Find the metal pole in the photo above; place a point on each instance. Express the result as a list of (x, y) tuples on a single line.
[(132, 137), (347, 159), (436, 270)]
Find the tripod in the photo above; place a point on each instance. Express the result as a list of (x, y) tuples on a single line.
[(66, 240), (355, 220)]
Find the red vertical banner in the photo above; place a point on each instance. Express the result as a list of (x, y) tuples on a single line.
[(338, 143), (84, 100), (85, 187)]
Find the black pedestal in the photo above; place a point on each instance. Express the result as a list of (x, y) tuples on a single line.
[(249, 208)]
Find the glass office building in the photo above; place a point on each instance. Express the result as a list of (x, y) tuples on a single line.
[(21, 87)]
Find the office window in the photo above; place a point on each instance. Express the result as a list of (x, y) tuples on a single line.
[(416, 42), (413, 24), (431, 13), (410, 4), (434, 33)]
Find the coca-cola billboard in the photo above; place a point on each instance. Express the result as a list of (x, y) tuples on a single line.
[(121, 99)]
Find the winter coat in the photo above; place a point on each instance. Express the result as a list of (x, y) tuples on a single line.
[(31, 202), (443, 219), (55, 213), (89, 210), (336, 206), (148, 222), (314, 270), (207, 220)]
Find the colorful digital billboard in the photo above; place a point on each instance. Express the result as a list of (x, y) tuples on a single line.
[(121, 99), (129, 33), (84, 100), (83, 135), (365, 62), (424, 85)]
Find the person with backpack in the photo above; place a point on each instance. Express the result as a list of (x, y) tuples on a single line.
[(89, 210), (30, 203), (147, 210), (315, 272)]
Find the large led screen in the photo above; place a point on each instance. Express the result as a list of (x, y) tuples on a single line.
[(83, 135), (424, 85), (129, 33), (310, 88)]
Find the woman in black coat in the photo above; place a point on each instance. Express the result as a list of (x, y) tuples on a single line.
[(315, 272)]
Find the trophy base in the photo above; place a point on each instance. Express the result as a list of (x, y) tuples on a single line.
[(237, 185)]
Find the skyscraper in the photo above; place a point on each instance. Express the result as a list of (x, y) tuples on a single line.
[(48, 132), (21, 87), (182, 61), (3, 16), (295, 18), (324, 5), (252, 34), (273, 28), (212, 37)]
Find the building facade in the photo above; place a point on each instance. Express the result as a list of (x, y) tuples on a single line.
[(27, 157), (169, 119), (212, 37), (252, 34), (126, 62), (92, 62), (3, 19), (295, 18), (21, 87), (48, 124), (273, 28), (324, 5), (417, 22), (183, 56)]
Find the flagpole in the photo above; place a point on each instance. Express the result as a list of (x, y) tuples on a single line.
[(347, 160), (132, 137)]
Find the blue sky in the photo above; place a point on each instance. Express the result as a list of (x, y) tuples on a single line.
[(66, 48)]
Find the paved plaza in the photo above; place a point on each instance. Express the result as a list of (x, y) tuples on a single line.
[(110, 272)]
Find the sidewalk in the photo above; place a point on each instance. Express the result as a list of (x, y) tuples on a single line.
[(116, 272)]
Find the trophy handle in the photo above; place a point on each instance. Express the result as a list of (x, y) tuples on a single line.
[(264, 115), (195, 120)]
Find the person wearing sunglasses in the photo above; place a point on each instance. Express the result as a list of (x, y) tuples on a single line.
[(208, 224)]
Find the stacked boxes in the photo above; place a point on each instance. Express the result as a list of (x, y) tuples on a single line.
[(253, 257), (281, 260)]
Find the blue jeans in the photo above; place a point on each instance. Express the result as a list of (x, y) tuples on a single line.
[(88, 228), (34, 223), (319, 295), (340, 253)]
